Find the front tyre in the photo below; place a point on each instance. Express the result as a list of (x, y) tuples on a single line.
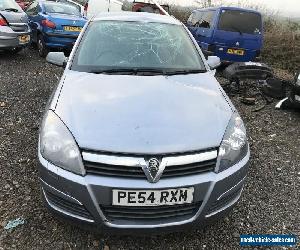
[(41, 46)]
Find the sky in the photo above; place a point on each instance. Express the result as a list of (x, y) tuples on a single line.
[(284, 7), (288, 8)]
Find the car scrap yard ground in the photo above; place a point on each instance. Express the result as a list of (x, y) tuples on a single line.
[(269, 203)]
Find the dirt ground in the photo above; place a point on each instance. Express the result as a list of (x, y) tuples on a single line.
[(269, 203)]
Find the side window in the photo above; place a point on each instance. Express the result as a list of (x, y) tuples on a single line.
[(32, 10), (206, 20), (193, 18), (197, 19)]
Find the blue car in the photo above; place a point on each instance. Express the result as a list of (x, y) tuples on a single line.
[(233, 34), (55, 25)]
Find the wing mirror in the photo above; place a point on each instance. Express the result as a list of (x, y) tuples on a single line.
[(57, 58), (213, 62)]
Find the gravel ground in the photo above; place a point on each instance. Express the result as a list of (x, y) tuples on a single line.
[(269, 204)]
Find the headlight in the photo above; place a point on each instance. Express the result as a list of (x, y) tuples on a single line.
[(234, 146), (58, 146)]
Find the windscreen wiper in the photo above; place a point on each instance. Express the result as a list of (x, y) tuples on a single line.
[(185, 72), (114, 71), (11, 9), (146, 71), (150, 71), (129, 71)]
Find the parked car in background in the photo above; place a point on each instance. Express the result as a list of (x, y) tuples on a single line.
[(23, 4), (139, 135), (94, 7), (55, 25), (139, 6), (14, 29), (233, 34)]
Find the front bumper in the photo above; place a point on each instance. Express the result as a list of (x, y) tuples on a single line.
[(9, 39), (221, 52), (82, 198)]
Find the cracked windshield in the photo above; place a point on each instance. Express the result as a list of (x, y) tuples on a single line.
[(164, 48)]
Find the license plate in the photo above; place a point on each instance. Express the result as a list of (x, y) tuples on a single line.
[(72, 29), (139, 198), (239, 52), (24, 39)]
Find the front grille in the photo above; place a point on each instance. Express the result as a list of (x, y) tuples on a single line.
[(68, 206), (150, 215), (19, 27), (189, 169), (114, 170), (136, 171)]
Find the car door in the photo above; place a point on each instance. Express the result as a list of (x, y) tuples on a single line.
[(194, 17), (239, 30), (204, 27), (201, 25)]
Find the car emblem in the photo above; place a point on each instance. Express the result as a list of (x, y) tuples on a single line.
[(153, 169), (237, 44)]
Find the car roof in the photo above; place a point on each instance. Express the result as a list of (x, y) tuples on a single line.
[(228, 8), (127, 16), (55, 1)]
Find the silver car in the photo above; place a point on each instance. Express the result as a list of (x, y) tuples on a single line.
[(14, 29), (139, 136)]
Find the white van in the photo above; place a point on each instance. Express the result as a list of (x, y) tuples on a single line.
[(93, 7)]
